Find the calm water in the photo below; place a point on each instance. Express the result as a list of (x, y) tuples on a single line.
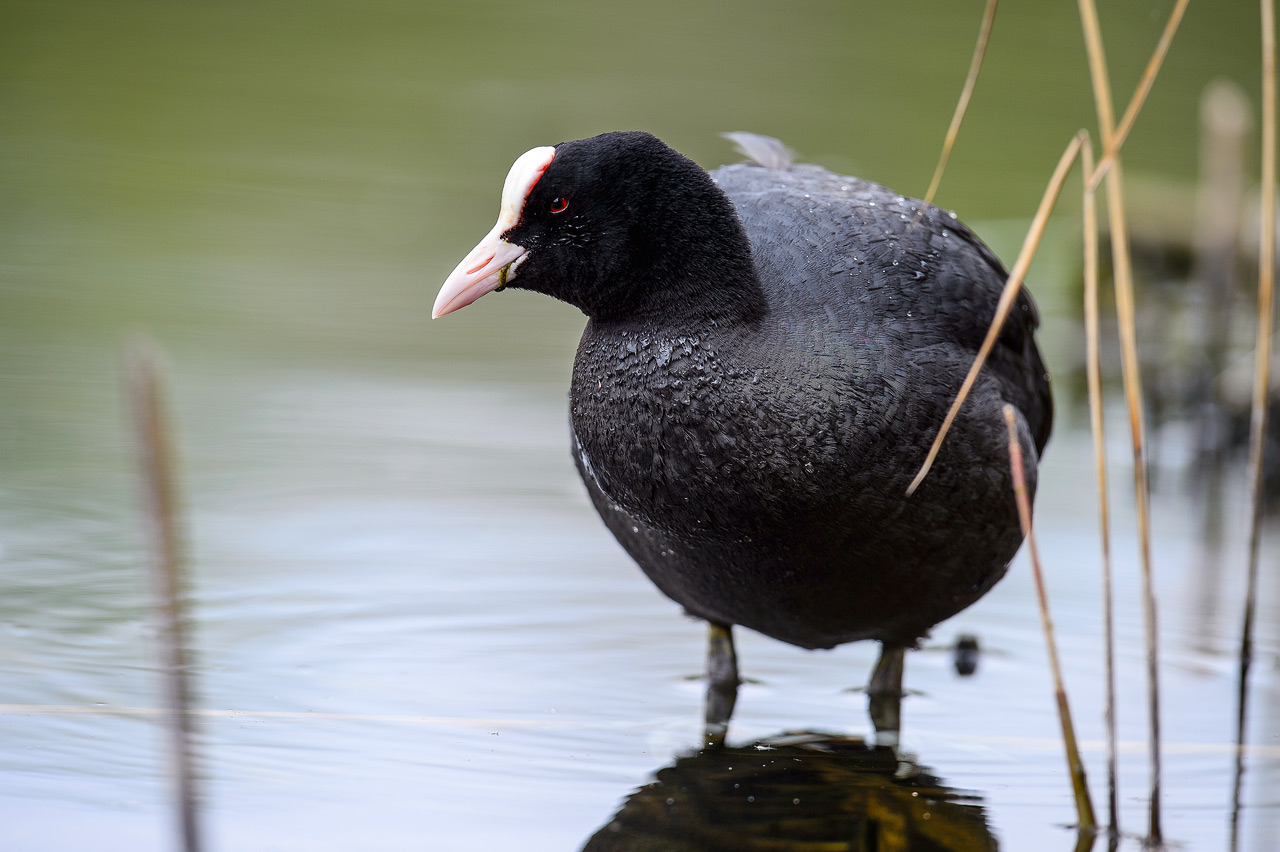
[(411, 630)]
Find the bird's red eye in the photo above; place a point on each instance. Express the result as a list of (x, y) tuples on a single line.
[(559, 205)]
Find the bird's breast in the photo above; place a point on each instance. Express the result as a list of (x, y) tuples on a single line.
[(687, 437)]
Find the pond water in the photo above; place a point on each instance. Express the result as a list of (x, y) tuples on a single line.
[(410, 629)]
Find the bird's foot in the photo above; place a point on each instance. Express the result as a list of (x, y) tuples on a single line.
[(722, 684), (884, 695)]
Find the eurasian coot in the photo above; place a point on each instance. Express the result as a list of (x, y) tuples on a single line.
[(770, 349)]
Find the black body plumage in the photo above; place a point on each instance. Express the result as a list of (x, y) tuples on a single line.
[(768, 355)]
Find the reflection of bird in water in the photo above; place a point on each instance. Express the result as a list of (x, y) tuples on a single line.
[(770, 351), (796, 793)]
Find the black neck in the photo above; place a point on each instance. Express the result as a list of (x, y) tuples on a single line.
[(689, 257)]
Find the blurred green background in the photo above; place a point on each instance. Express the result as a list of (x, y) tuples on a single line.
[(304, 173)]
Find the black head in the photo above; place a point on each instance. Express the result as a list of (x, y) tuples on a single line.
[(619, 225)]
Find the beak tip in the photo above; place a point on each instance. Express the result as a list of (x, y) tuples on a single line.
[(446, 302), (471, 280)]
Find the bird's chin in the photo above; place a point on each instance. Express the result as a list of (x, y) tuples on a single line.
[(490, 266)]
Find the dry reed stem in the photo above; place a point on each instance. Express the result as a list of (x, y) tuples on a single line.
[(1139, 94), (1262, 380), (1131, 370), (1093, 372), (1013, 284), (1084, 806), (1085, 840), (160, 503), (962, 106), (1098, 76)]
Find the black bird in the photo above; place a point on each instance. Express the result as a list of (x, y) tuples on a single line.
[(769, 352)]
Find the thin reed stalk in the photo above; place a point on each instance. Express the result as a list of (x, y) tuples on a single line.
[(1123, 271), (1140, 93), (1093, 372), (1261, 384), (962, 106), (1085, 840), (1084, 805), (155, 453), (1011, 289)]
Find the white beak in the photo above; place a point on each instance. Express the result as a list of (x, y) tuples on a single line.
[(486, 268), (491, 264)]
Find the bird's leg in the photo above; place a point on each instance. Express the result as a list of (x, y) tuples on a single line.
[(884, 694), (722, 683)]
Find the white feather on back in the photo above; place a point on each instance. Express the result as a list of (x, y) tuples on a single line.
[(761, 150)]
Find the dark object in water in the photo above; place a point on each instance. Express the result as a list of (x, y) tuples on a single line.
[(796, 791), (770, 349), (966, 654)]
